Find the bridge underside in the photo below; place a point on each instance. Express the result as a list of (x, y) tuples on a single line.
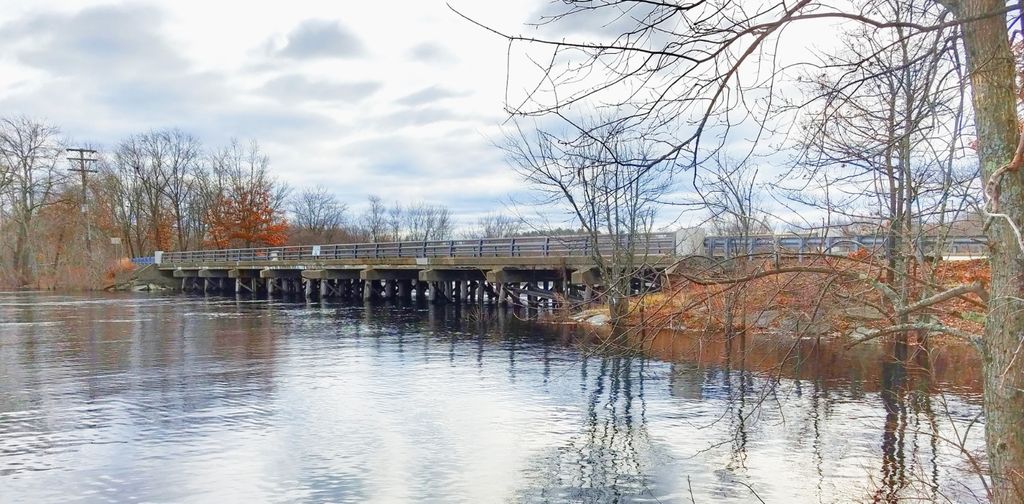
[(531, 280)]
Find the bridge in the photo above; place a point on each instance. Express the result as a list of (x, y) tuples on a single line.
[(539, 269)]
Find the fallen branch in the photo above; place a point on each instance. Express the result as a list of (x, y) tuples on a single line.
[(971, 338)]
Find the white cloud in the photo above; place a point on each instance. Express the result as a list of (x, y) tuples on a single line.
[(399, 103), (315, 38)]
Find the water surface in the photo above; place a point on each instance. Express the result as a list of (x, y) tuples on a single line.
[(135, 398)]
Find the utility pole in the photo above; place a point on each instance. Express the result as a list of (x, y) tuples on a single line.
[(84, 170)]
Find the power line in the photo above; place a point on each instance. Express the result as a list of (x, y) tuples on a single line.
[(84, 170)]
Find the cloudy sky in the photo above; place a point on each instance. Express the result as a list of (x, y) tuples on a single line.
[(400, 98)]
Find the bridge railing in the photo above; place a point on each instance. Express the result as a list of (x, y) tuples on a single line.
[(531, 246), (575, 245), (732, 246)]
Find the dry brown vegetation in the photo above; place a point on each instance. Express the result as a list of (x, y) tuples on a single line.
[(824, 297)]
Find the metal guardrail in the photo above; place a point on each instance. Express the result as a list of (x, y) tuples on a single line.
[(731, 246), (533, 246), (577, 245)]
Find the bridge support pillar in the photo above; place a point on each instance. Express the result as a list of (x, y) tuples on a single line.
[(480, 290), (403, 290), (390, 288), (502, 293), (308, 287), (368, 289), (270, 287)]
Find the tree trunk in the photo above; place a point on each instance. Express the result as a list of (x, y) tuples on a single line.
[(991, 66), (22, 255)]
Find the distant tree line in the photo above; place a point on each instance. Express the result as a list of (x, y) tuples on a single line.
[(166, 190)]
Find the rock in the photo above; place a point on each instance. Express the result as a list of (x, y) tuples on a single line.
[(141, 287), (800, 325), (762, 320), (863, 313), (592, 317), (861, 332)]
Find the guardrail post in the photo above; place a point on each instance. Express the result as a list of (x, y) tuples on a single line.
[(451, 248), (480, 248), (547, 245), (512, 247)]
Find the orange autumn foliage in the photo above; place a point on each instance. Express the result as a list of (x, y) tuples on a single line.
[(246, 219), (161, 231)]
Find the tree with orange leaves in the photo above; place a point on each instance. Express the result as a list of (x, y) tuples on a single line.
[(248, 204)]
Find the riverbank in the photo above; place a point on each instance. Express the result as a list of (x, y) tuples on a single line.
[(836, 298)]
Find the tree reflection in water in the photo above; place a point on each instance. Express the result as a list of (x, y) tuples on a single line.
[(436, 403), (611, 458)]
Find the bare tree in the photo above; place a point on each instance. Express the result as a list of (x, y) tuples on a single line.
[(317, 215), (119, 188), (427, 222), (29, 153), (374, 219), (495, 225), (688, 74), (395, 222), (732, 194), (601, 180), (176, 156), (885, 153)]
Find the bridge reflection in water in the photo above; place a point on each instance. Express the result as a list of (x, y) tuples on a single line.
[(185, 398)]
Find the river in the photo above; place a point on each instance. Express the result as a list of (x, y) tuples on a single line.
[(173, 398)]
